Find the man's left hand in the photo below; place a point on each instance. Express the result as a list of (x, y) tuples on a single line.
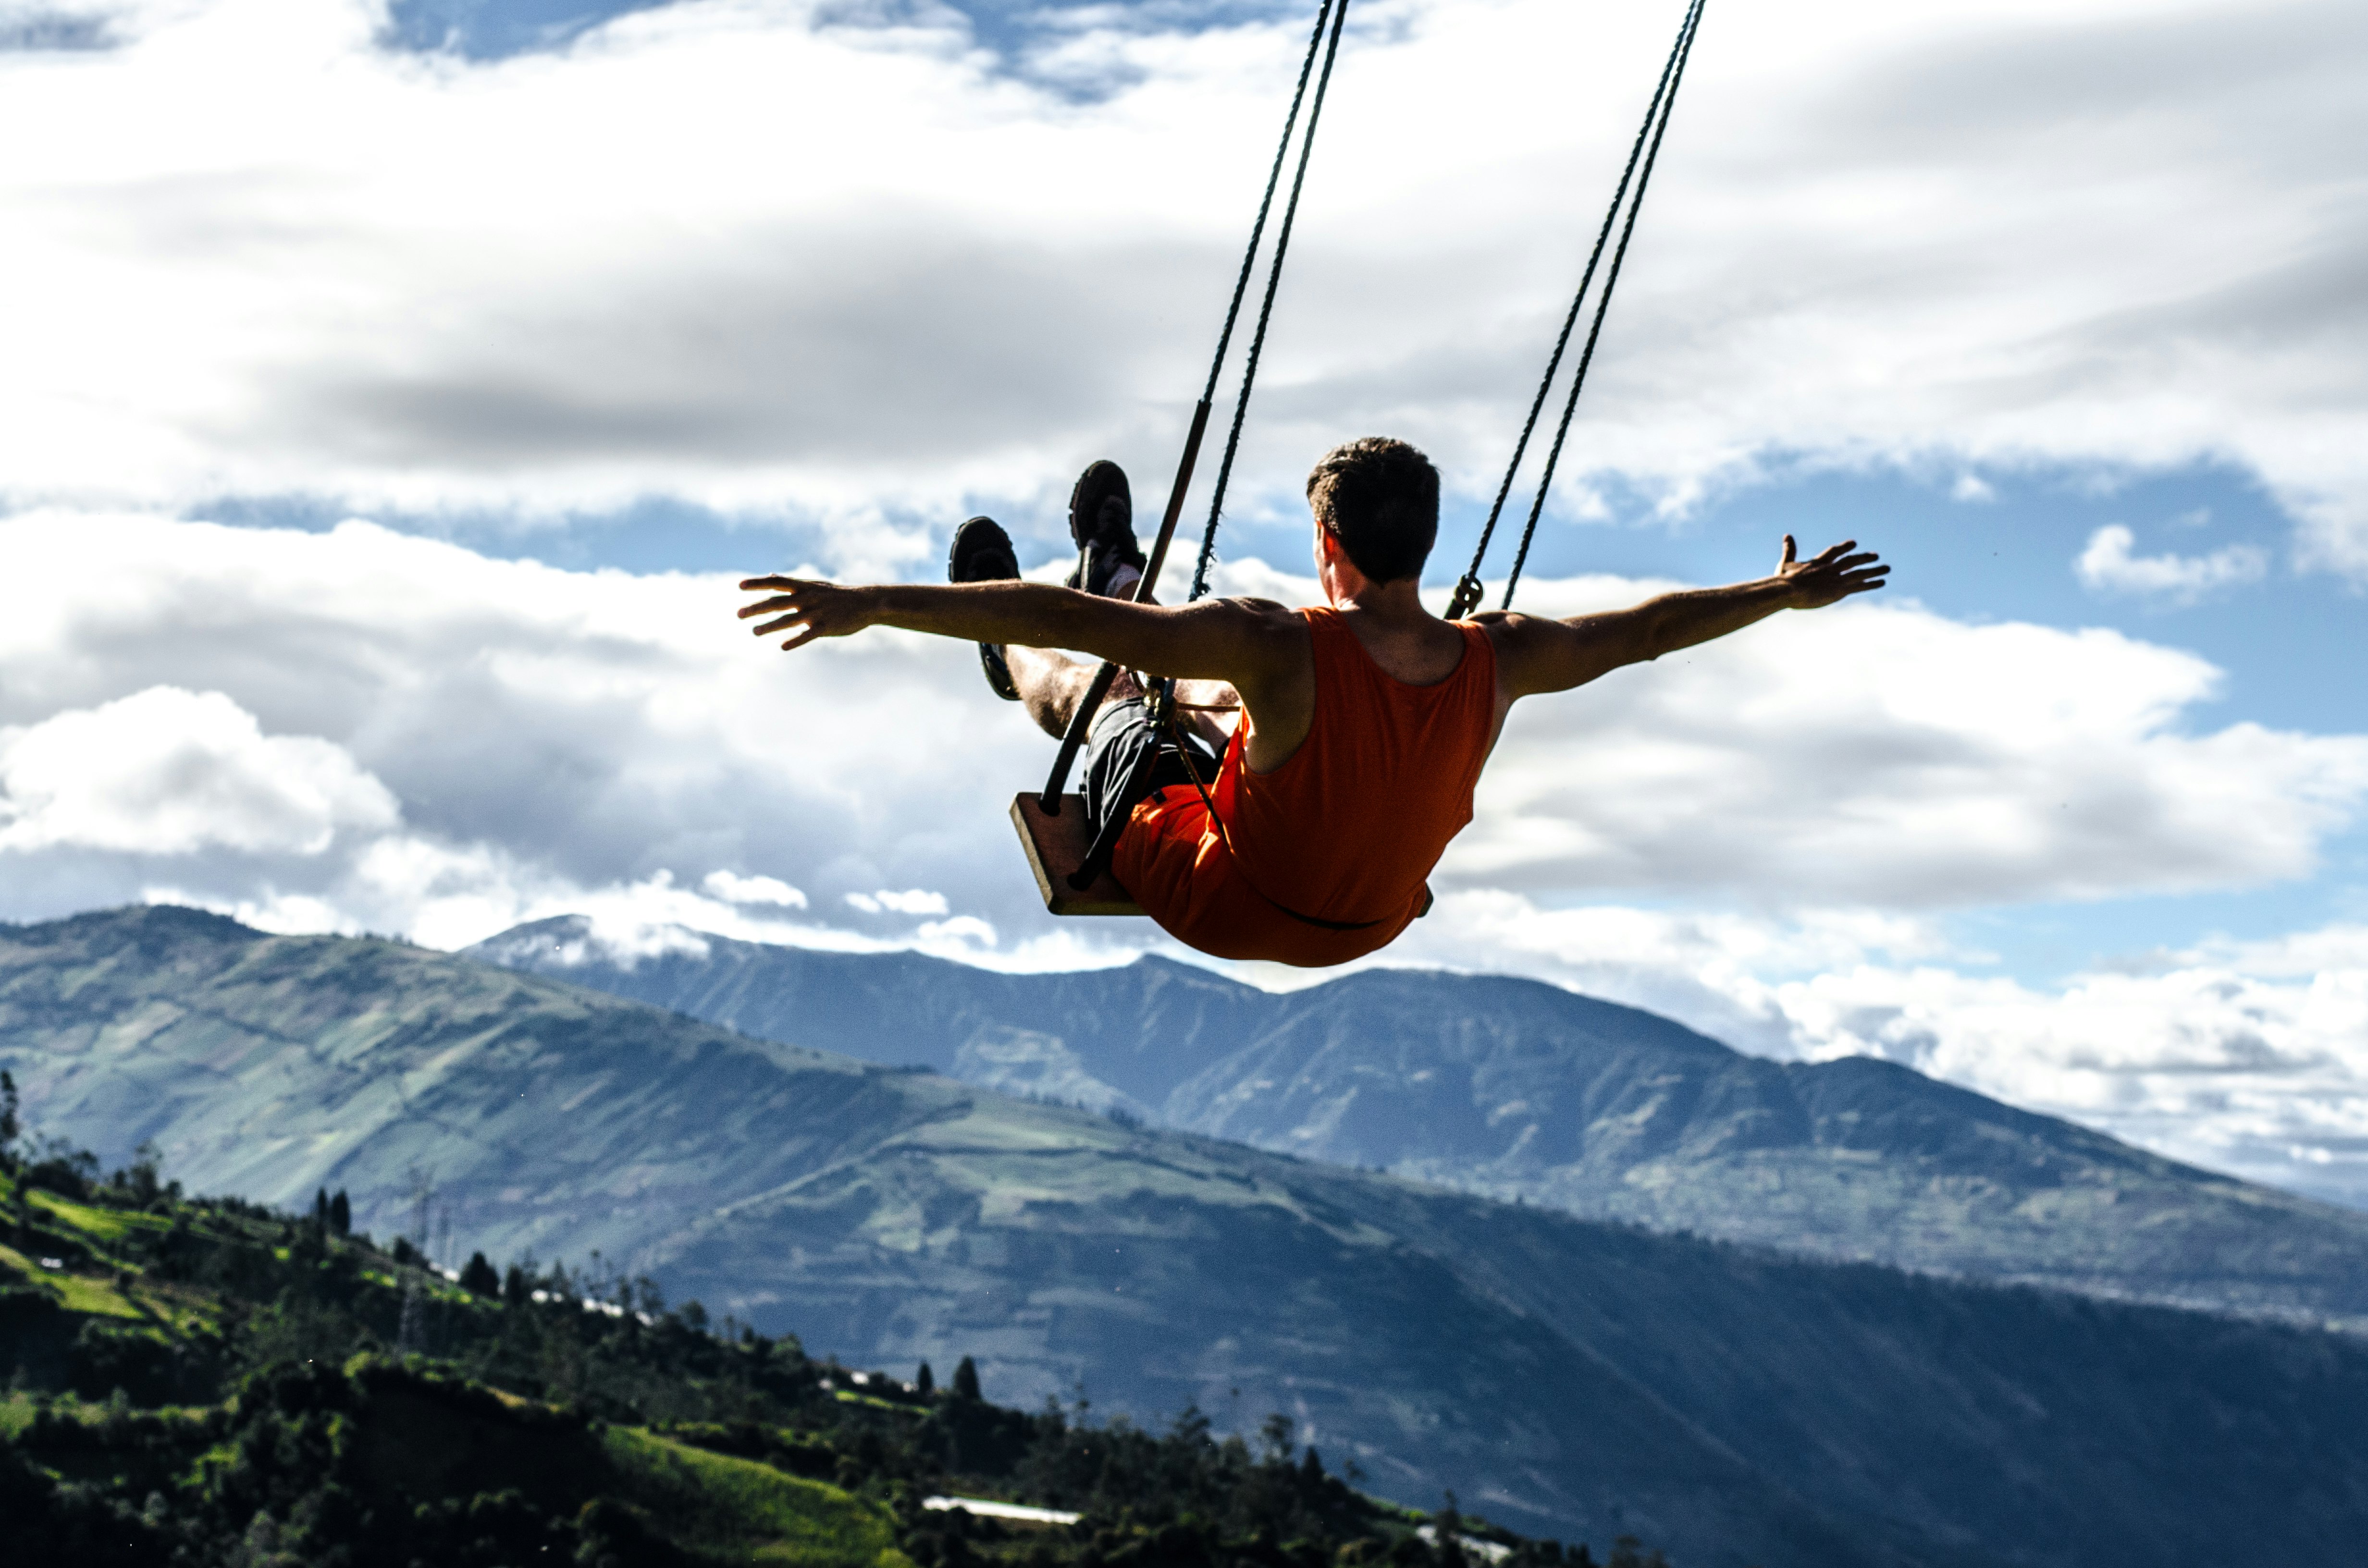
[(1830, 575)]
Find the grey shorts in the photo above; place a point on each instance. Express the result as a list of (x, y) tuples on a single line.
[(1128, 759)]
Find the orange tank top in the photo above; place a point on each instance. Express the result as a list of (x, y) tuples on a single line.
[(1344, 831)]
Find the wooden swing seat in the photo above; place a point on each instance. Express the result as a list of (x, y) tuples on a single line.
[(1056, 846)]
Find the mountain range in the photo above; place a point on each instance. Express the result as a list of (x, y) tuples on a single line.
[(1567, 1376), (1522, 1091)]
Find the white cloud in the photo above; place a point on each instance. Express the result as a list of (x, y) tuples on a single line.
[(2297, 955), (1717, 970), (961, 930), (917, 901), (733, 888), (2108, 565), (167, 772), (752, 255)]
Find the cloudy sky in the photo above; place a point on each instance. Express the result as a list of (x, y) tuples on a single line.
[(390, 397)]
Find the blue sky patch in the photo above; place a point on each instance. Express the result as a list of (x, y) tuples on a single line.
[(53, 31), (496, 29)]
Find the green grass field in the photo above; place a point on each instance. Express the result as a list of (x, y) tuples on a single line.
[(95, 1297), (732, 1510), (180, 1308), (16, 1414), (849, 1396), (109, 1225), (11, 1258), (76, 1293)]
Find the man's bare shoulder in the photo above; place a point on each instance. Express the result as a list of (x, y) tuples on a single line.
[(1511, 629), (1538, 653), (1264, 615), (1265, 644)]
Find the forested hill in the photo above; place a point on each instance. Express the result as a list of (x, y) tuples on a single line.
[(1566, 1377), (1517, 1089), (210, 1382)]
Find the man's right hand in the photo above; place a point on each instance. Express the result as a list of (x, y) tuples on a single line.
[(825, 610)]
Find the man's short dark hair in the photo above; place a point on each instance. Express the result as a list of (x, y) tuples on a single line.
[(1380, 498)]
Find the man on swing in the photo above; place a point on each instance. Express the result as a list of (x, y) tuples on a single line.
[(1363, 722)]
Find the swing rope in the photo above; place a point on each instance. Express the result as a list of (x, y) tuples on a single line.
[(1274, 181), (1234, 311), (1468, 588), (1273, 283)]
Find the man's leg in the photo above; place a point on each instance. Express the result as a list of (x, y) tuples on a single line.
[(1208, 708), (1051, 685)]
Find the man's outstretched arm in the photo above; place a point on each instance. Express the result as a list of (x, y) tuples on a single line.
[(1243, 642), (1539, 656)]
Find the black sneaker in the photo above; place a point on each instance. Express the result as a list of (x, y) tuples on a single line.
[(981, 552), (1102, 520)]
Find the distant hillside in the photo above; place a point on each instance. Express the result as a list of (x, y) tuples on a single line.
[(1517, 1089), (1566, 1377)]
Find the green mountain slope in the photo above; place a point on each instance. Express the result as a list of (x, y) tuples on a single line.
[(1515, 1089), (1569, 1378)]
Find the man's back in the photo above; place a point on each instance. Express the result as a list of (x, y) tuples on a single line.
[(1402, 638), (1322, 857)]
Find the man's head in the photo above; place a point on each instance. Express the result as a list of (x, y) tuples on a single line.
[(1378, 499)]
